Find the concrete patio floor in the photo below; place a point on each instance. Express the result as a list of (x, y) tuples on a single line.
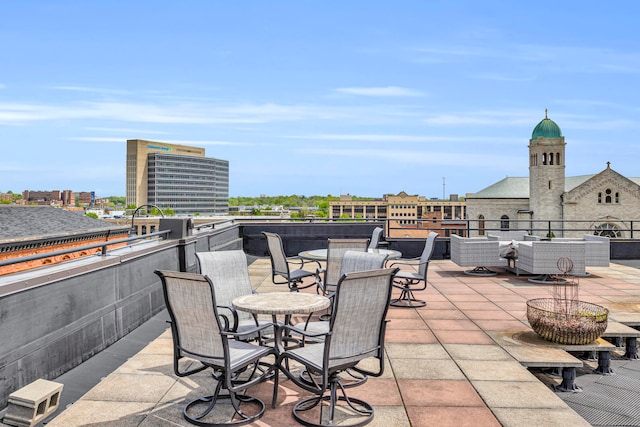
[(442, 368)]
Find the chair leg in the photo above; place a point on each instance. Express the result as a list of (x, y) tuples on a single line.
[(361, 410), (236, 399), (406, 299)]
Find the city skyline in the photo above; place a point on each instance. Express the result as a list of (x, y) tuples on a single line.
[(366, 98)]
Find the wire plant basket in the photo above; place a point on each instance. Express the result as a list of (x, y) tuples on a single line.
[(567, 321), (564, 319)]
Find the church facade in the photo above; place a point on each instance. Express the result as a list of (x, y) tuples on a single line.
[(549, 204)]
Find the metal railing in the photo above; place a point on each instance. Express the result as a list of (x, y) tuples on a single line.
[(102, 245), (615, 228)]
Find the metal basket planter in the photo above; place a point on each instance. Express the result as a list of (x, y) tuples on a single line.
[(566, 321)]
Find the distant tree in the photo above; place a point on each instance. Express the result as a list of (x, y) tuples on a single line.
[(92, 215), (168, 211)]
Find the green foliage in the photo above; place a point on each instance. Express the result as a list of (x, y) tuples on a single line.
[(321, 202), (118, 200), (92, 215)]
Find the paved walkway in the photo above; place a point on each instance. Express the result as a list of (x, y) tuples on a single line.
[(443, 367)]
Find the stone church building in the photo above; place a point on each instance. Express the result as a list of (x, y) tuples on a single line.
[(548, 203)]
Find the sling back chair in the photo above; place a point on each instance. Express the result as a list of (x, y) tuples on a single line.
[(327, 278), (229, 274), (356, 332), (201, 333), (281, 265), (410, 281)]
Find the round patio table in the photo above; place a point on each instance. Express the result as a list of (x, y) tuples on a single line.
[(321, 254)]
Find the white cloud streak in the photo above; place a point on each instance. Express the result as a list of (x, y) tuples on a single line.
[(380, 91), (416, 157)]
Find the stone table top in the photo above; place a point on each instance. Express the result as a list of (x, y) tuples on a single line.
[(281, 303)]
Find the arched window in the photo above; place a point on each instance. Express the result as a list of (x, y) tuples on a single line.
[(504, 222), (551, 158), (557, 158), (607, 198), (617, 197), (600, 197), (607, 230), (544, 158), (481, 225)]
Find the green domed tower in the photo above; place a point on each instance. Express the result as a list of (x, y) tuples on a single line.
[(546, 170)]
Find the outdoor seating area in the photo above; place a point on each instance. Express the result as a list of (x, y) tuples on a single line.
[(467, 350), (531, 254)]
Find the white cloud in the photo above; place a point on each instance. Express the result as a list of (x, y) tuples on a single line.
[(380, 91), (417, 157), (398, 138), (91, 90), (168, 141), (96, 139), (127, 130)]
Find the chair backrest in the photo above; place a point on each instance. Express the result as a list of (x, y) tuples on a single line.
[(361, 261), (336, 249), (426, 254), (358, 316), (278, 256), (195, 325), (375, 237), (229, 273)]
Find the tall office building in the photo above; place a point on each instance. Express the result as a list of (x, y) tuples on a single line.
[(176, 176)]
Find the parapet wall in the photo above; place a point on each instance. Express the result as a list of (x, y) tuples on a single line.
[(57, 317)]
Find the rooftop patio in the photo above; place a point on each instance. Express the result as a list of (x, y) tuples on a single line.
[(444, 365)]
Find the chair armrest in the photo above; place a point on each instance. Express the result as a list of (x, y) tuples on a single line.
[(319, 283), (282, 329), (297, 260), (404, 262), (234, 313), (248, 332)]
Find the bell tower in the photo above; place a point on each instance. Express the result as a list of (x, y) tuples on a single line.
[(546, 170)]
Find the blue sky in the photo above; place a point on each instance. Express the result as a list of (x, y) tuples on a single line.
[(316, 98)]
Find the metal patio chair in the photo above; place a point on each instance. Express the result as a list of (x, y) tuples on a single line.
[(229, 273), (356, 332), (352, 261), (327, 277), (280, 265), (201, 333), (410, 281)]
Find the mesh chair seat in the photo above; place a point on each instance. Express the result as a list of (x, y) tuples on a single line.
[(410, 275), (299, 274), (242, 353)]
